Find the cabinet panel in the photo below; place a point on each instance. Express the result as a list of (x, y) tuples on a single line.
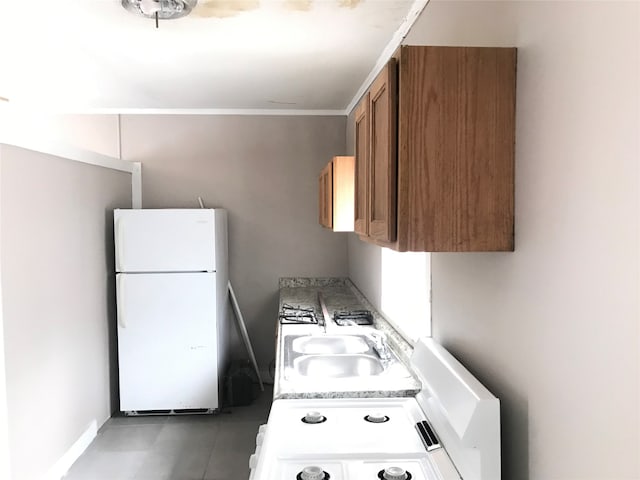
[(343, 193), (326, 196), (336, 194), (361, 205), (321, 200), (456, 134), (382, 175)]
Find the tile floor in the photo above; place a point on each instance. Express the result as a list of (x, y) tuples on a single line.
[(194, 447)]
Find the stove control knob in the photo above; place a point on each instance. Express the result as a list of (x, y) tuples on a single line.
[(394, 473), (377, 417), (259, 439), (314, 417), (312, 473)]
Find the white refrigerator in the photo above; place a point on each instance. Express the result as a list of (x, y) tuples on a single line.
[(171, 292)]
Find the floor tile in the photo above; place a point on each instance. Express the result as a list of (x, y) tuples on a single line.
[(180, 464), (236, 441), (178, 436), (180, 447), (106, 466), (127, 438)]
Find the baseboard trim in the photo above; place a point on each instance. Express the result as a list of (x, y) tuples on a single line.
[(63, 465)]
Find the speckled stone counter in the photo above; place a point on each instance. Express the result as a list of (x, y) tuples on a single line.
[(338, 294)]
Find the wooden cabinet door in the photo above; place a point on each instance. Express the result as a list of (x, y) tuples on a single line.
[(325, 201), (457, 137), (343, 193), (361, 200), (383, 155), (321, 200)]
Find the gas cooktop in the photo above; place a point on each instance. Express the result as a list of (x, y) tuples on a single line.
[(450, 430), (353, 439)]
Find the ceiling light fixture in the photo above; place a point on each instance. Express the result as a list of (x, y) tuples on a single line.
[(160, 9)]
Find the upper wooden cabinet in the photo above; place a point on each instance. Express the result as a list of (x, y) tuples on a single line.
[(445, 183), (361, 207), (336, 201)]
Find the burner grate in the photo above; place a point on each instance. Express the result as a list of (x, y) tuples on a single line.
[(357, 317), (297, 315)]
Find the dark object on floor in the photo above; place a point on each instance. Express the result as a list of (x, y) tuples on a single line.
[(240, 385)]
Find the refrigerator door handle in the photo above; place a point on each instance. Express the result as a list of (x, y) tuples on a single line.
[(120, 303)]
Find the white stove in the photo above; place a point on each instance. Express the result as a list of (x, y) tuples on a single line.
[(360, 469), (451, 430)]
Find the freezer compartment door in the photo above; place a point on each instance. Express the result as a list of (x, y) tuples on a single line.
[(165, 240), (167, 347)]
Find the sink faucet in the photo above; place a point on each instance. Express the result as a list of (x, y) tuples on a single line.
[(376, 338), (379, 345)]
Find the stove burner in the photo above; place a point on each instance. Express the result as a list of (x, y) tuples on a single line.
[(314, 417), (376, 417), (394, 473), (297, 314), (353, 317), (313, 473)]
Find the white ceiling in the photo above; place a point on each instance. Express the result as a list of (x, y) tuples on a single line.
[(81, 55)]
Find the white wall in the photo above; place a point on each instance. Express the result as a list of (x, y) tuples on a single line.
[(552, 329), (264, 171), (5, 470), (57, 292), (96, 133), (376, 273)]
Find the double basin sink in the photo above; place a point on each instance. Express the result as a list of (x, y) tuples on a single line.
[(323, 356)]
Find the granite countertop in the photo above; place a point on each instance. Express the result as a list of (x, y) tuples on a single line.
[(338, 294)]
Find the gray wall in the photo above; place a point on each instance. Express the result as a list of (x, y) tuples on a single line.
[(264, 170), (552, 329), (57, 289)]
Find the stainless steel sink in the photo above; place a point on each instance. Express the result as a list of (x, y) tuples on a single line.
[(337, 366), (327, 344), (323, 356)]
